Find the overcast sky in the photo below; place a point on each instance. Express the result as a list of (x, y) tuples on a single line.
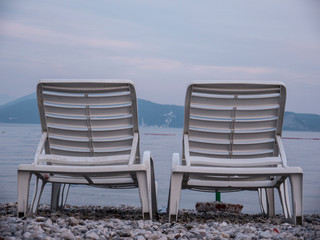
[(163, 45)]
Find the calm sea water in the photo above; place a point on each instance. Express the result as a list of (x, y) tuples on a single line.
[(18, 143)]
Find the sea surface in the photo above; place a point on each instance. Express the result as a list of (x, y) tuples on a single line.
[(18, 143)]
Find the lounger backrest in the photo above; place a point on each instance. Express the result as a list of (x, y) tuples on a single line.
[(235, 119), (88, 118)]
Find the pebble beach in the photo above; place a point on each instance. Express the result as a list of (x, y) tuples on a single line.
[(125, 222)]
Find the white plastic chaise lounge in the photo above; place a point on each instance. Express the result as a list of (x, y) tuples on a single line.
[(90, 136), (232, 142)]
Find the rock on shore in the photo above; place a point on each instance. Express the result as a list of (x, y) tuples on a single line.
[(124, 222)]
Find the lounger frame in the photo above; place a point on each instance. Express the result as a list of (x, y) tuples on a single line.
[(232, 142), (90, 136)]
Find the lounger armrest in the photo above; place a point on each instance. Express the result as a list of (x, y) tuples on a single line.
[(186, 149), (43, 140), (176, 160), (281, 151), (134, 149)]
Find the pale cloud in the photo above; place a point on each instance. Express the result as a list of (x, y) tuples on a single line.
[(37, 34), (205, 69), (175, 65), (151, 63)]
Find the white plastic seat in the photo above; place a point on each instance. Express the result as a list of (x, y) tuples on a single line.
[(232, 142), (90, 136)]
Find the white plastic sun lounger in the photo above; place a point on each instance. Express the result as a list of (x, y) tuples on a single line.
[(90, 136), (232, 142)]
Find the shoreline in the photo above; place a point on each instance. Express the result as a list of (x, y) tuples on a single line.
[(125, 222)]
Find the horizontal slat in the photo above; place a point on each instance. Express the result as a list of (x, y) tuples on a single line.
[(208, 135), (83, 122), (85, 88), (85, 129), (203, 111), (235, 102), (240, 155), (229, 141), (236, 136), (83, 161), (222, 162), (237, 89), (235, 147), (207, 124), (95, 134), (86, 139), (102, 111), (229, 185), (77, 100), (96, 145), (204, 153), (209, 177), (74, 153), (227, 124), (113, 182)]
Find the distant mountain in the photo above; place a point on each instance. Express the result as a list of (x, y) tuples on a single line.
[(25, 110), (5, 98), (301, 122), (154, 114), (22, 110)]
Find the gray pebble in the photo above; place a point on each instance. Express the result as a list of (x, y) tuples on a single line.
[(92, 235), (265, 234), (68, 235), (88, 222)]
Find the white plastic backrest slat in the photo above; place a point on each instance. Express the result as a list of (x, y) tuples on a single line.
[(87, 153), (202, 111), (226, 154), (208, 135), (226, 146), (224, 90), (102, 111), (221, 162), (96, 145), (203, 124), (82, 100), (84, 161), (227, 141), (235, 102), (86, 149), (98, 88), (102, 132), (236, 136), (98, 133), (86, 139), (220, 124), (94, 123), (115, 111)]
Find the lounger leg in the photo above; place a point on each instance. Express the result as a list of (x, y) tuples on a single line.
[(64, 195), (284, 197), (36, 196), (174, 196), (263, 200), (23, 192), (55, 195), (266, 198), (297, 192), (154, 188), (143, 192), (270, 199)]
